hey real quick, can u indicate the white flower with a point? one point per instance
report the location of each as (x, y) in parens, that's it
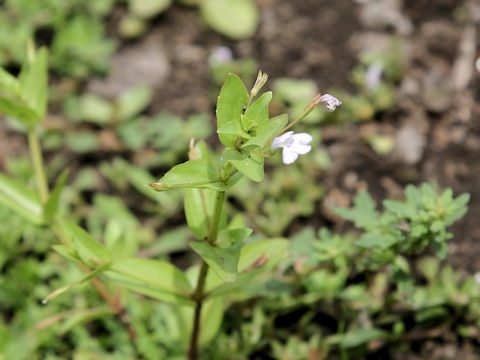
(220, 55)
(293, 145)
(373, 75)
(332, 102)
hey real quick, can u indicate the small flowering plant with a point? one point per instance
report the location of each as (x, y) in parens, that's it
(249, 136)
(200, 294)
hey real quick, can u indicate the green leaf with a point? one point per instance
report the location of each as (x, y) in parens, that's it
(254, 260)
(440, 248)
(199, 208)
(34, 82)
(363, 213)
(83, 279)
(211, 320)
(223, 261)
(66, 252)
(233, 128)
(199, 174)
(375, 239)
(358, 337)
(457, 208)
(158, 279)
(95, 109)
(257, 114)
(233, 96)
(266, 131)
(87, 248)
(51, 206)
(272, 249)
(19, 111)
(249, 165)
(134, 101)
(237, 19)
(21, 199)
(147, 9)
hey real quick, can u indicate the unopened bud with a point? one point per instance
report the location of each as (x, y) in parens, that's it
(192, 153)
(261, 80)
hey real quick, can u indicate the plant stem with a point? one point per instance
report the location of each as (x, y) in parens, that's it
(198, 295)
(37, 160)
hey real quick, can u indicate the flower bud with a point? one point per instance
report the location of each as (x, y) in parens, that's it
(261, 80)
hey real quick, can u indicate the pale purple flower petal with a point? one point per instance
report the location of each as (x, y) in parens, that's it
(282, 140)
(331, 102)
(289, 156)
(293, 145)
(301, 149)
(302, 138)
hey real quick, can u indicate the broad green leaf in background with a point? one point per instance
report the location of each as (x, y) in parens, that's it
(233, 96)
(21, 199)
(148, 8)
(191, 174)
(256, 114)
(51, 206)
(237, 19)
(95, 109)
(133, 101)
(158, 279)
(87, 248)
